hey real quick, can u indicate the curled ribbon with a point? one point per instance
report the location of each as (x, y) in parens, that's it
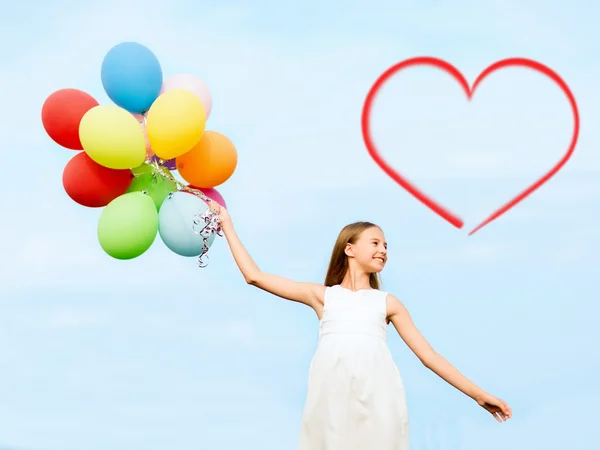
(203, 223)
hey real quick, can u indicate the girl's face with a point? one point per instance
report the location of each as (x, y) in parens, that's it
(370, 250)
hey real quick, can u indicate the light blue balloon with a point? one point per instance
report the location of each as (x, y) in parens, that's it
(132, 76)
(175, 224)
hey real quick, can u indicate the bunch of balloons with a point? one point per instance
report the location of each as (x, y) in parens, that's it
(128, 151)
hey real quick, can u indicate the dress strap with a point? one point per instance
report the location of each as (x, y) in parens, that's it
(326, 297)
(383, 303)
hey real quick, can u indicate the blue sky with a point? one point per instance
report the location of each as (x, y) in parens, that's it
(156, 353)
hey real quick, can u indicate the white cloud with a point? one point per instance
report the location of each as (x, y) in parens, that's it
(477, 253)
(582, 188)
(68, 318)
(229, 330)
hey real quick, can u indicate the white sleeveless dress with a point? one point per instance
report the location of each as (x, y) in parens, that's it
(356, 398)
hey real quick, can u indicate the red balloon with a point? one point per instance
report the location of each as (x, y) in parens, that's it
(61, 114)
(90, 184)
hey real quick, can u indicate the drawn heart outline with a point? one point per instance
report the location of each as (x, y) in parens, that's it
(458, 76)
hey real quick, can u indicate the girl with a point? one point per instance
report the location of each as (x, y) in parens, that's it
(356, 398)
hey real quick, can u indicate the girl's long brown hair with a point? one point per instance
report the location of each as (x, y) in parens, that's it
(338, 265)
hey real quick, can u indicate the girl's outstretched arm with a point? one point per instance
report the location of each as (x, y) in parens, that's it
(400, 318)
(310, 294)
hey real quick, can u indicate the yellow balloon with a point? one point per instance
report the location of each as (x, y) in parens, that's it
(112, 137)
(175, 123)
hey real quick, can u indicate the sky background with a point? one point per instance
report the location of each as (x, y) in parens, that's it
(155, 353)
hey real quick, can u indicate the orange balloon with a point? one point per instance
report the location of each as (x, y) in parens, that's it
(210, 163)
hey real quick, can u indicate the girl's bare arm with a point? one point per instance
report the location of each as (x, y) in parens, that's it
(310, 294)
(407, 330)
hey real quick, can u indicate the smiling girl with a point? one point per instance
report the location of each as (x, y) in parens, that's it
(356, 398)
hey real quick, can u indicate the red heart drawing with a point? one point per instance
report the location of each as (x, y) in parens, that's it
(455, 73)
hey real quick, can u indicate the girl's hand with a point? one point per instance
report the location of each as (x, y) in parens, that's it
(495, 406)
(224, 218)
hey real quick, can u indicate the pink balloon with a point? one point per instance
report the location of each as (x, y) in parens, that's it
(138, 117)
(193, 84)
(211, 193)
(142, 122)
(148, 145)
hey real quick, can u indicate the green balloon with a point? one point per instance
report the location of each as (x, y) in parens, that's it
(128, 225)
(157, 186)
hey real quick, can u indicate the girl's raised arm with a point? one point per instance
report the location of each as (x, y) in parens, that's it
(310, 294)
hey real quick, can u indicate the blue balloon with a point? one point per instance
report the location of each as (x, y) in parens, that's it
(132, 76)
(175, 224)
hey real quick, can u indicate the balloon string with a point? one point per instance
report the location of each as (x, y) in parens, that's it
(157, 166)
(209, 218)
